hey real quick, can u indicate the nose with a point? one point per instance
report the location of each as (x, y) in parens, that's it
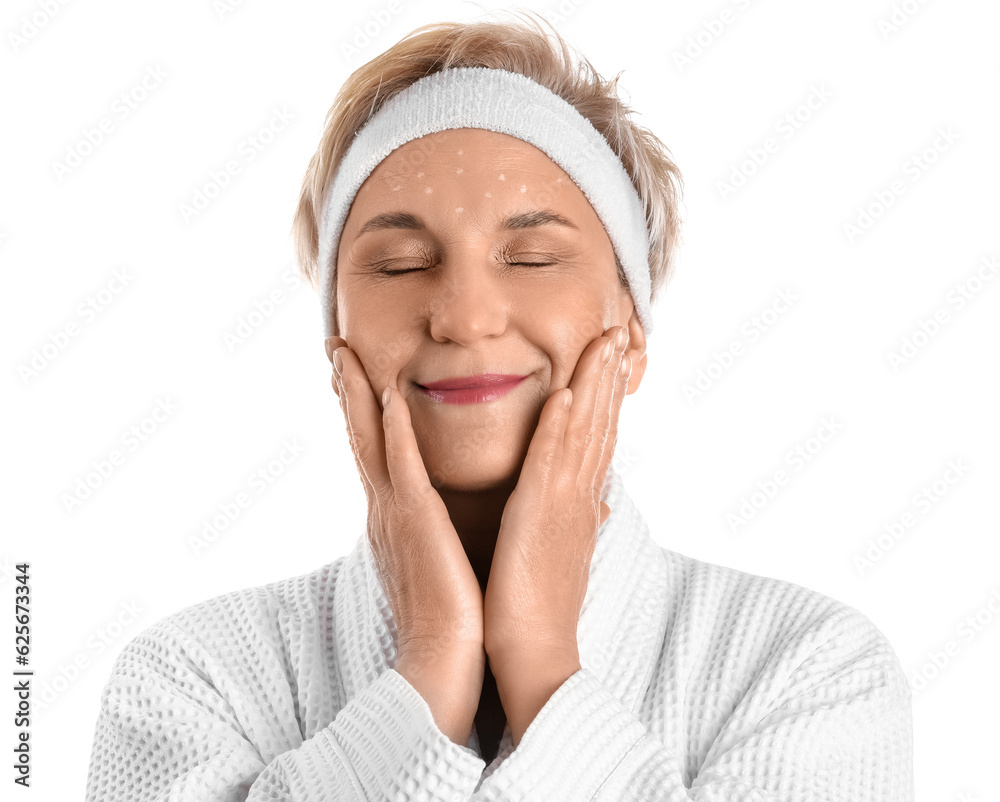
(471, 304)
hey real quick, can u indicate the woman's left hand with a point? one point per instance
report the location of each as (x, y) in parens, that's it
(541, 563)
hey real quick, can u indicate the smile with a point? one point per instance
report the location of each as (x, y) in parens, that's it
(471, 389)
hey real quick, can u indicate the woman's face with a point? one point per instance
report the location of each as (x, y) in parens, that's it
(484, 293)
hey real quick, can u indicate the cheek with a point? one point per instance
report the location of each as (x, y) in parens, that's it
(575, 311)
(376, 332)
(566, 339)
(385, 355)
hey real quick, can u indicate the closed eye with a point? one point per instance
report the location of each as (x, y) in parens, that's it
(387, 272)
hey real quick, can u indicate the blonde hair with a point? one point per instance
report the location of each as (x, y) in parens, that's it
(522, 48)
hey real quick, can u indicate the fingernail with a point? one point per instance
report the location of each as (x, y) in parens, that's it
(386, 397)
(626, 368)
(608, 350)
(338, 363)
(620, 337)
(328, 345)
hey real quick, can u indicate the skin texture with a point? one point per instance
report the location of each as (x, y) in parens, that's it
(483, 517)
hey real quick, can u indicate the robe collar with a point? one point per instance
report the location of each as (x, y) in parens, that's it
(620, 631)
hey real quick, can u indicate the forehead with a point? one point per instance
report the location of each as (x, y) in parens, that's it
(470, 149)
(471, 170)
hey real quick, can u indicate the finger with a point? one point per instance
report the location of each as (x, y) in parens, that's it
(604, 408)
(364, 421)
(332, 344)
(611, 425)
(338, 389)
(544, 457)
(366, 484)
(594, 372)
(407, 472)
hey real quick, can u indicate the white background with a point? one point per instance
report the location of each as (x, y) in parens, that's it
(105, 568)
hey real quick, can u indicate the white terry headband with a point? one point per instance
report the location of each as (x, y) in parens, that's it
(507, 103)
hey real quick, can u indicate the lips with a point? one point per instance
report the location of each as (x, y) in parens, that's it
(467, 382)
(471, 389)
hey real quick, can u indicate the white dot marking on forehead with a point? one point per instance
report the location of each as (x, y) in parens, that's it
(489, 194)
(420, 175)
(459, 170)
(460, 152)
(523, 188)
(460, 209)
(395, 189)
(502, 178)
(428, 190)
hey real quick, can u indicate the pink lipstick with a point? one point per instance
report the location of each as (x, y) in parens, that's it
(471, 389)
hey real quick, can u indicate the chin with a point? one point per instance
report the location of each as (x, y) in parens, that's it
(465, 470)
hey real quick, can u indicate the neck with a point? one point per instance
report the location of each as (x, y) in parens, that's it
(476, 517)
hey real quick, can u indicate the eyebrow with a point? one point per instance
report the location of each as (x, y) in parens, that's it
(406, 220)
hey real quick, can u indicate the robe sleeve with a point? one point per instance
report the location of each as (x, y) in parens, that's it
(166, 733)
(832, 722)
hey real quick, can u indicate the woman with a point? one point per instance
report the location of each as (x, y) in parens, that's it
(488, 231)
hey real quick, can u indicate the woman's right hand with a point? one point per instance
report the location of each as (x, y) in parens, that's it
(428, 580)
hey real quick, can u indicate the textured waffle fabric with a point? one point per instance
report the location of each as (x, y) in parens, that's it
(698, 682)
